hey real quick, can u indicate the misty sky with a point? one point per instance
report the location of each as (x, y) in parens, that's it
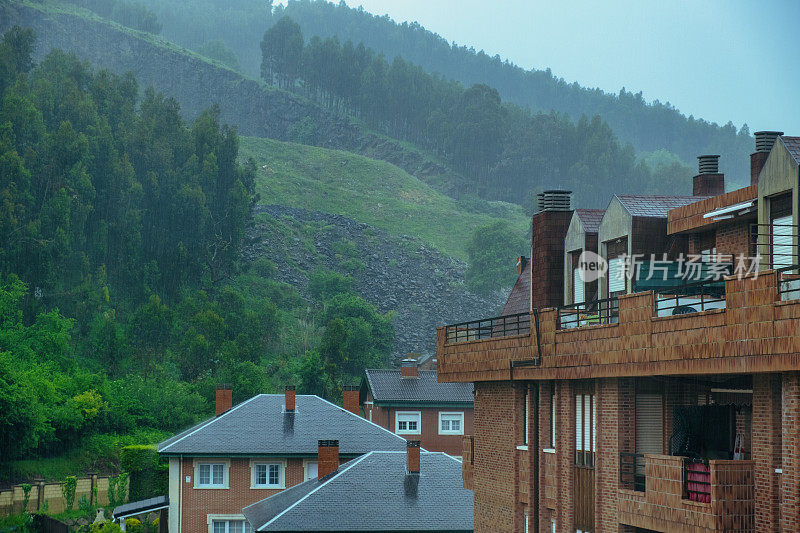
(715, 59)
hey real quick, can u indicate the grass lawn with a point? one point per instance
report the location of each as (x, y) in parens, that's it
(375, 192)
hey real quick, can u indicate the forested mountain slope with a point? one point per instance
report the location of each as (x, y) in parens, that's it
(197, 83)
(649, 126)
(527, 153)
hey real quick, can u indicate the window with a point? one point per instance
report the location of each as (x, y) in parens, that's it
(782, 251)
(553, 415)
(408, 422)
(577, 279)
(525, 428)
(312, 470)
(211, 475)
(231, 526)
(267, 475)
(451, 423)
(585, 424)
(617, 278)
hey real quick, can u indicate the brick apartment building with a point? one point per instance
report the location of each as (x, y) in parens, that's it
(412, 403)
(645, 402)
(256, 449)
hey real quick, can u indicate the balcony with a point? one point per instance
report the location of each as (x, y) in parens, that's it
(744, 325)
(680, 493)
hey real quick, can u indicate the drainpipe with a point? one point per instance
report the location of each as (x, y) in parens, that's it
(533, 449)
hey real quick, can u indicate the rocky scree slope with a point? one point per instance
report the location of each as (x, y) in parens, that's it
(423, 287)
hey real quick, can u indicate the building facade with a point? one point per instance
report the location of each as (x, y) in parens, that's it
(256, 449)
(664, 405)
(412, 404)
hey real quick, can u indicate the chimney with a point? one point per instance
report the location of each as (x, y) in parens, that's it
(709, 181)
(350, 400)
(522, 262)
(548, 231)
(224, 399)
(327, 457)
(289, 398)
(408, 368)
(554, 200)
(412, 456)
(765, 140)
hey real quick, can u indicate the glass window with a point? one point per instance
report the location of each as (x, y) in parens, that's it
(553, 416)
(210, 475)
(267, 475)
(408, 423)
(451, 423)
(312, 469)
(232, 526)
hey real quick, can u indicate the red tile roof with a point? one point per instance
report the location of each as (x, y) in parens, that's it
(519, 300)
(590, 218)
(793, 145)
(655, 206)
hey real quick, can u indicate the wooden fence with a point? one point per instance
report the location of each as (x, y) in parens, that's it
(11, 500)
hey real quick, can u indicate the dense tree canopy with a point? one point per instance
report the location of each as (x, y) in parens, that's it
(123, 296)
(506, 152)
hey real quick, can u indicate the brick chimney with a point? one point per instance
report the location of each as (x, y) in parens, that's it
(709, 181)
(327, 457)
(412, 456)
(548, 230)
(350, 398)
(408, 368)
(289, 398)
(522, 261)
(765, 140)
(224, 399)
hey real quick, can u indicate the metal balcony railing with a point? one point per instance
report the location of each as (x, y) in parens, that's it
(596, 312)
(690, 298)
(489, 328)
(632, 471)
(697, 480)
(789, 282)
(776, 244)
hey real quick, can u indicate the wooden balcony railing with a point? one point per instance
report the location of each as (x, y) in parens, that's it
(680, 493)
(752, 330)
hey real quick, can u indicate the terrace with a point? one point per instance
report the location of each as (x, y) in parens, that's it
(737, 325)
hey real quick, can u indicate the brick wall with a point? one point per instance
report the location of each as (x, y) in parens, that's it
(495, 449)
(790, 464)
(429, 437)
(198, 503)
(548, 230)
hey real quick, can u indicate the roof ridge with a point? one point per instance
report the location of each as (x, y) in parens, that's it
(211, 421)
(295, 504)
(363, 419)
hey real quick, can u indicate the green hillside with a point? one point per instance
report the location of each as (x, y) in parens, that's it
(370, 191)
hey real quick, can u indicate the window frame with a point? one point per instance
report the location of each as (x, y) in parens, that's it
(255, 463)
(452, 414)
(211, 463)
(407, 415)
(553, 411)
(228, 518)
(306, 464)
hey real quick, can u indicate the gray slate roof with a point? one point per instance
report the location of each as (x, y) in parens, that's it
(590, 218)
(387, 386)
(260, 426)
(373, 493)
(141, 507)
(793, 145)
(655, 206)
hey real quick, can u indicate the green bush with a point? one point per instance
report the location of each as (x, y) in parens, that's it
(68, 487)
(138, 457)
